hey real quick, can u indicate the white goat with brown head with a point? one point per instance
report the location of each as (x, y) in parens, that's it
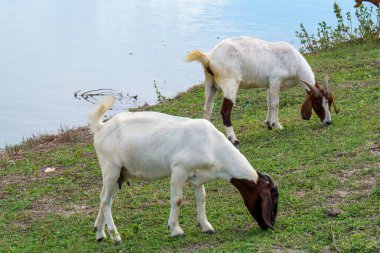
(151, 145)
(244, 62)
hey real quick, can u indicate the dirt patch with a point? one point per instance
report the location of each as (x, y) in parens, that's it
(15, 179)
(21, 181)
(375, 148)
(365, 180)
(355, 84)
(192, 247)
(341, 154)
(51, 204)
(45, 143)
(281, 250)
(299, 194)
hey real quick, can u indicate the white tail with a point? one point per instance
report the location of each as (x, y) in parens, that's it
(94, 117)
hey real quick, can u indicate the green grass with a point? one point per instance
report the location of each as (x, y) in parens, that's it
(328, 178)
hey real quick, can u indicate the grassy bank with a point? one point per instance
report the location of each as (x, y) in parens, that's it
(328, 178)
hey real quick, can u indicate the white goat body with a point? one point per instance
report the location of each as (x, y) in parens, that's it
(253, 63)
(245, 62)
(151, 145)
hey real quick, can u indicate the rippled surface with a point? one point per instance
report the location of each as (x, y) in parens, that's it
(51, 49)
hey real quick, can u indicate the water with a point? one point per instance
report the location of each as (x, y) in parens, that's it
(49, 49)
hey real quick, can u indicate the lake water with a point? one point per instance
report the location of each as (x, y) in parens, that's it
(50, 49)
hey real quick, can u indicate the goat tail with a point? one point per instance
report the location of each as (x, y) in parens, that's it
(197, 55)
(94, 117)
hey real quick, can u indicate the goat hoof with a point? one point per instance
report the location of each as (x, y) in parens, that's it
(117, 239)
(100, 239)
(234, 142)
(178, 236)
(210, 232)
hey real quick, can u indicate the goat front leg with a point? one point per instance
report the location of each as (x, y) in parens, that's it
(273, 104)
(178, 180)
(200, 195)
(268, 111)
(210, 92)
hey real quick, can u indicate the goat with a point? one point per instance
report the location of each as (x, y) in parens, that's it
(245, 62)
(152, 145)
(374, 2)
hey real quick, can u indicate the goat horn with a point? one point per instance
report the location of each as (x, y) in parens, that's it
(271, 183)
(267, 177)
(312, 88)
(326, 82)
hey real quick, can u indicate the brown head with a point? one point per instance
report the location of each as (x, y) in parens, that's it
(320, 100)
(359, 2)
(260, 198)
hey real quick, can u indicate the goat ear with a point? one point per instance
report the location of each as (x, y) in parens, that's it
(306, 107)
(267, 210)
(336, 109)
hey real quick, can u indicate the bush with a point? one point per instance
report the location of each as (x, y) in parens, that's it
(343, 32)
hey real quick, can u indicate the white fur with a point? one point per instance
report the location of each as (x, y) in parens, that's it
(244, 62)
(325, 106)
(152, 145)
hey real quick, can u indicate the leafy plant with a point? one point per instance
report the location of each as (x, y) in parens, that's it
(159, 95)
(328, 36)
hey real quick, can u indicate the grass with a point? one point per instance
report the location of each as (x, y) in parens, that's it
(328, 178)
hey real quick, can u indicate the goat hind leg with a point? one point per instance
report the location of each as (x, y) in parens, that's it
(210, 92)
(100, 219)
(110, 189)
(100, 222)
(226, 114)
(267, 121)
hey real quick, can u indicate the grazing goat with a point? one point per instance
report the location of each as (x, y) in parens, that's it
(359, 2)
(245, 62)
(151, 145)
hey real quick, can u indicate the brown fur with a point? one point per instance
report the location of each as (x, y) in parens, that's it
(208, 69)
(359, 2)
(226, 112)
(260, 198)
(306, 108)
(314, 102)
